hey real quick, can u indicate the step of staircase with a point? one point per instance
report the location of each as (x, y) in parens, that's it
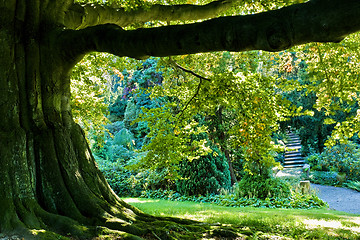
(294, 161)
(296, 146)
(293, 158)
(294, 166)
(296, 152)
(293, 147)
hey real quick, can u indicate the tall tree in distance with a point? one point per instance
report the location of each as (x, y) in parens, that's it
(49, 179)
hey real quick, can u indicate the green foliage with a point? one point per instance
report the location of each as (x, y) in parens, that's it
(206, 175)
(88, 87)
(353, 185)
(238, 101)
(122, 181)
(128, 183)
(295, 201)
(328, 89)
(343, 158)
(172, 140)
(94, 86)
(324, 178)
(123, 137)
(313, 160)
(261, 187)
(128, 5)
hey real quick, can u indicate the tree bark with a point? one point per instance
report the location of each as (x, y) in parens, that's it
(222, 138)
(313, 21)
(48, 176)
(79, 16)
(49, 179)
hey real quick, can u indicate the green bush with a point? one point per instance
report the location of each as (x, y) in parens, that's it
(324, 178)
(353, 185)
(295, 201)
(343, 158)
(206, 175)
(158, 179)
(313, 161)
(256, 186)
(122, 181)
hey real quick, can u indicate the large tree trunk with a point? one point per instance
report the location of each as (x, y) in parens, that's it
(48, 176)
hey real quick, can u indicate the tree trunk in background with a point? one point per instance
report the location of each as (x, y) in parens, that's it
(231, 168)
(223, 138)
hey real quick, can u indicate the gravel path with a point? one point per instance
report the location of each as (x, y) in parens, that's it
(340, 199)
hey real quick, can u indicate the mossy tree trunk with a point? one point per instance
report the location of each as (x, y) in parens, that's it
(48, 176)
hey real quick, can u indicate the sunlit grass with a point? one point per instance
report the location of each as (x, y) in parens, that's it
(309, 224)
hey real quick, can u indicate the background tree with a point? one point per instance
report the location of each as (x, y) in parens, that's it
(49, 179)
(322, 81)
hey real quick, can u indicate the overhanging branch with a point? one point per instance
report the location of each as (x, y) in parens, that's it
(80, 16)
(314, 21)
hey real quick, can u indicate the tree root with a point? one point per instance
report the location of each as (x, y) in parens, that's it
(54, 226)
(57, 192)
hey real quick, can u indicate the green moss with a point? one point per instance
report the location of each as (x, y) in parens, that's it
(109, 234)
(47, 235)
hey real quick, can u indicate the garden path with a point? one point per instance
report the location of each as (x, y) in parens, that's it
(338, 198)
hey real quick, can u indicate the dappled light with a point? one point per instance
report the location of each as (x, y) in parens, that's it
(140, 200)
(273, 220)
(351, 224)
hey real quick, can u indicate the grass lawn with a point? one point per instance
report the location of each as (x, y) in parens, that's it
(261, 223)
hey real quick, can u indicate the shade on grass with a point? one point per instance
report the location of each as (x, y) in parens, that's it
(306, 224)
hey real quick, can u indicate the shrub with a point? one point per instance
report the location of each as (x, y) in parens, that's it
(206, 175)
(124, 138)
(342, 158)
(353, 185)
(122, 181)
(295, 201)
(324, 178)
(117, 109)
(313, 161)
(257, 186)
(127, 183)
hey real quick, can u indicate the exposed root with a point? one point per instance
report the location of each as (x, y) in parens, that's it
(59, 193)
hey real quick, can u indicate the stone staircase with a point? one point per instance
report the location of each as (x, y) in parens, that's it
(293, 158)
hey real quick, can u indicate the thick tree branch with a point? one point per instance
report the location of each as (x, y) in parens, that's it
(314, 21)
(80, 16)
